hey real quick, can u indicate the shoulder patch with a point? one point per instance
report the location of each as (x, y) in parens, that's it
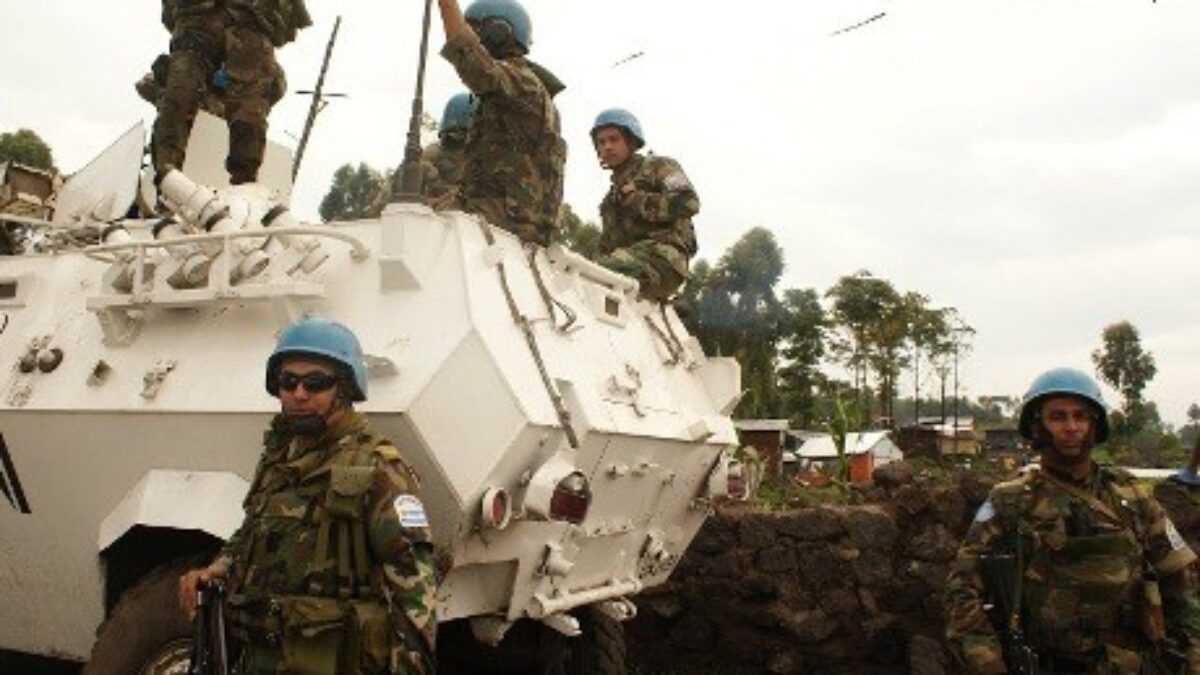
(676, 181)
(1173, 536)
(986, 512)
(410, 511)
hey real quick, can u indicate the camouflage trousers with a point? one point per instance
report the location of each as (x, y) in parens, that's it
(655, 265)
(199, 45)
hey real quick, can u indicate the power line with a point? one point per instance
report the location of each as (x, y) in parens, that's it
(858, 25)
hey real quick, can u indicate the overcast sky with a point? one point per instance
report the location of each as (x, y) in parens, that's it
(1034, 163)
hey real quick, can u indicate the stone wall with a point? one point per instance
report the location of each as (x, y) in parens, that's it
(854, 589)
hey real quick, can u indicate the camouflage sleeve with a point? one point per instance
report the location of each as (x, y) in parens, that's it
(478, 70)
(969, 631)
(1165, 547)
(670, 197)
(234, 544)
(401, 542)
(1181, 608)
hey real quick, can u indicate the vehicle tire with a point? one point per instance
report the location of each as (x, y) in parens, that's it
(600, 650)
(146, 633)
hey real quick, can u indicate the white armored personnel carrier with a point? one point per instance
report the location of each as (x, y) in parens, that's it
(570, 438)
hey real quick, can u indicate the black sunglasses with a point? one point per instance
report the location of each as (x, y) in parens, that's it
(314, 383)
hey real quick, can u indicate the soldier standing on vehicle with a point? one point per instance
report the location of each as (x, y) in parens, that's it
(647, 213)
(154, 83)
(242, 35)
(334, 556)
(1094, 578)
(515, 153)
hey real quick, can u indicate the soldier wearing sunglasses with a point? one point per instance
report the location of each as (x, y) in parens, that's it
(332, 571)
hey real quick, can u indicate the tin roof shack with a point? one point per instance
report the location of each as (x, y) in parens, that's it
(768, 437)
(26, 191)
(1003, 440)
(864, 451)
(953, 440)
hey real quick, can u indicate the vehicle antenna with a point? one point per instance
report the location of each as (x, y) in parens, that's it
(411, 178)
(318, 101)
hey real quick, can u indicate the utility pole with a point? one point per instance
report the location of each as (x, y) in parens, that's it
(318, 101)
(956, 391)
(410, 170)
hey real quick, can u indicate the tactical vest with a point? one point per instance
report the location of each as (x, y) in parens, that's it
(279, 20)
(303, 586)
(1080, 588)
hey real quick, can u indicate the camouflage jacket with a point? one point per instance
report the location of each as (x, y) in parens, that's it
(336, 535)
(659, 207)
(442, 168)
(277, 19)
(1086, 551)
(515, 155)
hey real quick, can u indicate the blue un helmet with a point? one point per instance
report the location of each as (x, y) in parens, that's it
(458, 113)
(1063, 382)
(622, 119)
(510, 11)
(324, 339)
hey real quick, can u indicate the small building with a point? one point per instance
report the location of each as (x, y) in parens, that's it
(26, 191)
(768, 437)
(864, 451)
(1003, 440)
(954, 436)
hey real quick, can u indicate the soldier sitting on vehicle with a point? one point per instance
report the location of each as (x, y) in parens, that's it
(334, 556)
(647, 213)
(1073, 568)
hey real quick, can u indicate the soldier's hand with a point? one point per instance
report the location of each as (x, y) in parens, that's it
(627, 188)
(189, 584)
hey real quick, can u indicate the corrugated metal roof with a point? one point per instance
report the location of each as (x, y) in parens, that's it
(761, 425)
(856, 444)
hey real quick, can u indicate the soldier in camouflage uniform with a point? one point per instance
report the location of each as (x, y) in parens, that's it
(242, 35)
(441, 162)
(1100, 564)
(515, 152)
(1180, 496)
(332, 571)
(154, 83)
(647, 213)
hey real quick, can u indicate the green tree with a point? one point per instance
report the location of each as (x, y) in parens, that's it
(352, 193)
(1123, 363)
(26, 147)
(579, 236)
(738, 314)
(1189, 434)
(803, 331)
(927, 330)
(868, 309)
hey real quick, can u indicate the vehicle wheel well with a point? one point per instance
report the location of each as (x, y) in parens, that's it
(143, 549)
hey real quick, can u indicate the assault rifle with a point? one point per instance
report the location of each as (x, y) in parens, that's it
(1002, 574)
(209, 655)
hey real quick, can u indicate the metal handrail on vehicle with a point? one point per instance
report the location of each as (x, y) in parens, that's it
(359, 250)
